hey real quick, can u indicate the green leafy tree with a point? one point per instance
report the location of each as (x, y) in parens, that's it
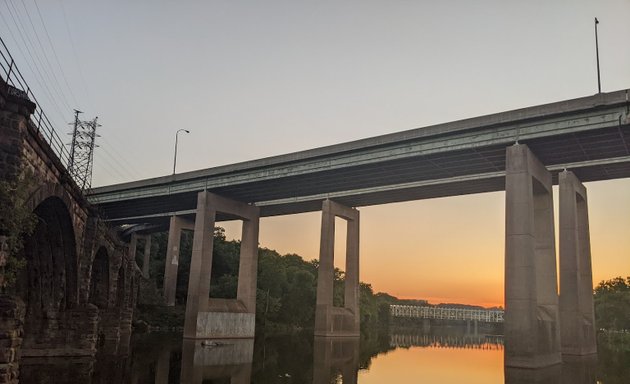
(612, 304)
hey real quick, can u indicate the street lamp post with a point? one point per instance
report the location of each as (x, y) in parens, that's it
(599, 82)
(175, 157)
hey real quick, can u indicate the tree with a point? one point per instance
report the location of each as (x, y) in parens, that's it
(612, 304)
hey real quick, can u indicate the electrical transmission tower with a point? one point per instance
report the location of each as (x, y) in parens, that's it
(82, 151)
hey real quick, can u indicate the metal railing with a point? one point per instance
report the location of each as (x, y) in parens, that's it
(441, 313)
(13, 77)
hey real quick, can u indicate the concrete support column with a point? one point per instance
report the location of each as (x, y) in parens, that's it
(176, 226)
(200, 264)
(330, 320)
(532, 331)
(577, 316)
(248, 265)
(147, 256)
(220, 318)
(133, 245)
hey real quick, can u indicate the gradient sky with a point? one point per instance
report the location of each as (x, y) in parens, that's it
(252, 79)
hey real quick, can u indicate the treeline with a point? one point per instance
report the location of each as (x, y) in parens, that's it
(287, 284)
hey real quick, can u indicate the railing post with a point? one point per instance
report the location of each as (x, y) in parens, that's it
(39, 123)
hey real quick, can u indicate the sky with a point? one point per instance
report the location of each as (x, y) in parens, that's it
(251, 79)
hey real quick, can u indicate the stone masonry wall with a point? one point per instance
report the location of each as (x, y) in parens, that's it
(72, 330)
(11, 325)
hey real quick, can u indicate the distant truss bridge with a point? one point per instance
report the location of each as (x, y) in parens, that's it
(441, 313)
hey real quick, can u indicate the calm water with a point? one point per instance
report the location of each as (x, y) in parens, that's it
(443, 355)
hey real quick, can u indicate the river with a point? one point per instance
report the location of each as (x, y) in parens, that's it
(442, 355)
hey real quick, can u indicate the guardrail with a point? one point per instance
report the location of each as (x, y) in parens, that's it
(13, 77)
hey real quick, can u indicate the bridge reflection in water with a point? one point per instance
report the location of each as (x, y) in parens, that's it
(445, 355)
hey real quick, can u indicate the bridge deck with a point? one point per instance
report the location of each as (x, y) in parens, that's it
(590, 136)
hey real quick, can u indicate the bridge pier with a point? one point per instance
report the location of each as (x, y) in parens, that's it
(133, 245)
(220, 318)
(331, 320)
(577, 317)
(532, 332)
(177, 225)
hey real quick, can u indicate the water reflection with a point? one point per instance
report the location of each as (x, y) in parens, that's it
(335, 358)
(217, 361)
(574, 370)
(444, 354)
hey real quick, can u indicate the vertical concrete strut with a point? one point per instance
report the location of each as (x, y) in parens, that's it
(218, 318)
(532, 332)
(147, 256)
(133, 245)
(576, 282)
(177, 224)
(330, 320)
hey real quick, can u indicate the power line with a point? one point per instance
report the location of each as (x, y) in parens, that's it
(128, 155)
(43, 51)
(74, 52)
(38, 77)
(52, 46)
(46, 70)
(112, 168)
(132, 173)
(52, 70)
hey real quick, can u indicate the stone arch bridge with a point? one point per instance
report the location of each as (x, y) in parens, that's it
(77, 289)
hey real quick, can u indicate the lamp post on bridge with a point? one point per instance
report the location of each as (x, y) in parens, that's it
(175, 157)
(599, 82)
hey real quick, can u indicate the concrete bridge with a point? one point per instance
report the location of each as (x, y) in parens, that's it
(76, 291)
(523, 152)
(440, 313)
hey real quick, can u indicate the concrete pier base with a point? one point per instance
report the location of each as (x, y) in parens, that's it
(212, 318)
(532, 330)
(331, 320)
(577, 316)
(177, 225)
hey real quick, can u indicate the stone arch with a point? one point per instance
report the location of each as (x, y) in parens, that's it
(48, 284)
(49, 190)
(99, 279)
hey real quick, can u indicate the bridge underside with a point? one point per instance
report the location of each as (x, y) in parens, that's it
(594, 155)
(521, 152)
